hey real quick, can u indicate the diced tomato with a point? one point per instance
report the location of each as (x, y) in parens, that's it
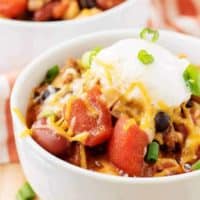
(92, 116)
(94, 93)
(127, 147)
(83, 120)
(12, 8)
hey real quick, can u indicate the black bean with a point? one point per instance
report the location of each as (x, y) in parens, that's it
(162, 121)
(87, 3)
(45, 95)
(189, 104)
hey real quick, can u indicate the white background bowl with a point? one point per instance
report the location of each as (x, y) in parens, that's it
(21, 41)
(54, 179)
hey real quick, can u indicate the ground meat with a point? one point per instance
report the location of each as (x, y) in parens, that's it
(74, 155)
(68, 73)
(173, 140)
(182, 129)
(32, 114)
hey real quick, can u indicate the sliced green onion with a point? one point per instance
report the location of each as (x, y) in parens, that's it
(152, 152)
(52, 73)
(149, 31)
(145, 57)
(88, 57)
(196, 165)
(25, 193)
(191, 76)
(85, 60)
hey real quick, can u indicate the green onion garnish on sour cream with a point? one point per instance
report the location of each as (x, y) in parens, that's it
(145, 57)
(191, 76)
(88, 57)
(148, 31)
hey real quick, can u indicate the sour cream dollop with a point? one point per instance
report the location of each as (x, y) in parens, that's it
(118, 67)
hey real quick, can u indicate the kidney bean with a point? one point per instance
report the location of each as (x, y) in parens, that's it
(49, 139)
(46, 12)
(107, 4)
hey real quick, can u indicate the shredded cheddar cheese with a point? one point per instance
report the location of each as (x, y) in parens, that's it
(129, 124)
(57, 128)
(141, 87)
(146, 121)
(83, 157)
(107, 69)
(81, 137)
(68, 107)
(25, 133)
(107, 168)
(19, 115)
(163, 106)
(60, 94)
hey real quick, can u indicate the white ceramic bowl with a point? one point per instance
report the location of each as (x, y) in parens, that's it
(54, 179)
(21, 41)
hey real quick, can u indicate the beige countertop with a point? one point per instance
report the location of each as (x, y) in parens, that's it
(11, 179)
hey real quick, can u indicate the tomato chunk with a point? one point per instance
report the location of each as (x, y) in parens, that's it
(127, 147)
(47, 137)
(12, 8)
(93, 116)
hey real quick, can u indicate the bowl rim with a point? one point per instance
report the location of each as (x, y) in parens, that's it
(21, 23)
(85, 172)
